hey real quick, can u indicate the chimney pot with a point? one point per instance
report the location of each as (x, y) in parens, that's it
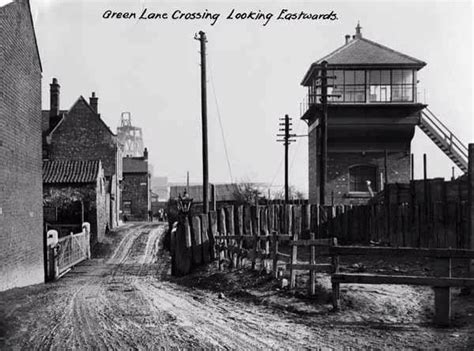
(93, 101)
(348, 37)
(145, 154)
(54, 89)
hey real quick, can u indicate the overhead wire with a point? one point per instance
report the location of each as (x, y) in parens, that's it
(220, 123)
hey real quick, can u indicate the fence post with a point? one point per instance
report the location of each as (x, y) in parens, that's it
(256, 232)
(239, 230)
(294, 257)
(312, 272)
(205, 238)
(196, 240)
(470, 186)
(335, 286)
(275, 253)
(229, 223)
(173, 247)
(212, 234)
(222, 230)
(442, 295)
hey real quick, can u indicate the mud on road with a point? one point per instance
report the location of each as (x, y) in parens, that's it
(126, 299)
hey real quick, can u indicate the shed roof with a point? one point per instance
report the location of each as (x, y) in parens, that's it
(70, 171)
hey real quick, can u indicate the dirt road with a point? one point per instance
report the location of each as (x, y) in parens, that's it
(122, 303)
(127, 300)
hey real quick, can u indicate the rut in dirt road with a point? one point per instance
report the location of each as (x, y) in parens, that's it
(123, 302)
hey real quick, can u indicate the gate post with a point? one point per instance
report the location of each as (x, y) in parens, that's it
(86, 229)
(51, 255)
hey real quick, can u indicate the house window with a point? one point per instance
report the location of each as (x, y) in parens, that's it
(359, 176)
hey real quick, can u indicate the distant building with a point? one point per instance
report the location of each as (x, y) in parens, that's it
(223, 192)
(80, 134)
(136, 188)
(74, 193)
(161, 187)
(21, 209)
(372, 112)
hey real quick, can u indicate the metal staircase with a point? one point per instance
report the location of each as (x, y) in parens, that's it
(444, 138)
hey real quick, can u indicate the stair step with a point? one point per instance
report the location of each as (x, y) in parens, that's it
(429, 126)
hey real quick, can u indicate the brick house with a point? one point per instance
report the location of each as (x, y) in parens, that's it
(21, 214)
(372, 114)
(74, 193)
(80, 134)
(136, 187)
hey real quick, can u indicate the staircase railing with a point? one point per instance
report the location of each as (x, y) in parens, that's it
(454, 145)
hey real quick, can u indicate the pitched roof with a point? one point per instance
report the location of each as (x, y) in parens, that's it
(361, 51)
(364, 52)
(70, 171)
(66, 113)
(134, 165)
(52, 121)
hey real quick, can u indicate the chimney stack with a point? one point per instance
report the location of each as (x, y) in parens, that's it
(348, 38)
(54, 98)
(93, 101)
(358, 34)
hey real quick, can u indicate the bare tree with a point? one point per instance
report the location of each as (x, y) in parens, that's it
(247, 193)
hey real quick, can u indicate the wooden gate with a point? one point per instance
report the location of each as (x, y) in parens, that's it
(72, 249)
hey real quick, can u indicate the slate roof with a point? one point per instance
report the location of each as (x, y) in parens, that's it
(70, 171)
(362, 52)
(134, 165)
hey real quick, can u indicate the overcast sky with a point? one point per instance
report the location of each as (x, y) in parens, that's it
(151, 68)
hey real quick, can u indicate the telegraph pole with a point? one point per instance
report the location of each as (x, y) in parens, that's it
(287, 139)
(324, 133)
(205, 166)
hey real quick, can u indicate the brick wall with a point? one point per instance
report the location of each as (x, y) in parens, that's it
(21, 216)
(83, 136)
(338, 163)
(135, 188)
(398, 164)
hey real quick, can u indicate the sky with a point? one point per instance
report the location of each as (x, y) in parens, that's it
(151, 69)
